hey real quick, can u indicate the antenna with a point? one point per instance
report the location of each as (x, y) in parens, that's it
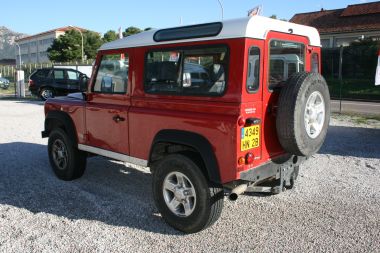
(221, 7)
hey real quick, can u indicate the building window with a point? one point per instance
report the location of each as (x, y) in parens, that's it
(344, 42)
(325, 43)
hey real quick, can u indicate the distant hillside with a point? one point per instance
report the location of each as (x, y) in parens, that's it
(7, 39)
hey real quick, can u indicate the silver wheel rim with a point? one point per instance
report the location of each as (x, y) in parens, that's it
(314, 115)
(179, 194)
(59, 153)
(47, 94)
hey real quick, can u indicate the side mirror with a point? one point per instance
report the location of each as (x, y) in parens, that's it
(186, 80)
(83, 82)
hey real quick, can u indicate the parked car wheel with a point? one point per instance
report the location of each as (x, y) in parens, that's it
(46, 93)
(303, 114)
(184, 197)
(67, 161)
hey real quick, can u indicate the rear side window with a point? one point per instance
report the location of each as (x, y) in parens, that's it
(253, 76)
(112, 76)
(43, 73)
(59, 74)
(286, 58)
(198, 71)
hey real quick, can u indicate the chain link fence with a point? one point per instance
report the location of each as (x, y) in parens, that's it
(9, 72)
(350, 72)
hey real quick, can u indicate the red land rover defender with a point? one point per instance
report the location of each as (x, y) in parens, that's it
(212, 109)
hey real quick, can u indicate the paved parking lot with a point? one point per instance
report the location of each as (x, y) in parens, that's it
(335, 206)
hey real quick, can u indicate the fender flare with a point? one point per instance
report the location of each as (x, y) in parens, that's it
(64, 119)
(195, 141)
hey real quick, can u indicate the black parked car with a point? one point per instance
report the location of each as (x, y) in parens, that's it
(50, 82)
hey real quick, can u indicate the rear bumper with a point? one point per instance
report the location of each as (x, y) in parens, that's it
(271, 169)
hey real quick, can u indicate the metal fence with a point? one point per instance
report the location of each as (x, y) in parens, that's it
(9, 72)
(350, 72)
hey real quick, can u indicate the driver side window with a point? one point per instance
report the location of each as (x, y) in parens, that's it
(112, 76)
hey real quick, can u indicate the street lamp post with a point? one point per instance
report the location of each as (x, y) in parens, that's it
(81, 34)
(221, 7)
(19, 54)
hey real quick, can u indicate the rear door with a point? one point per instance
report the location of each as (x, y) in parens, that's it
(108, 104)
(60, 81)
(72, 80)
(285, 54)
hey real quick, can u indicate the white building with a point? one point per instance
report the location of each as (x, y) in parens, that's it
(34, 48)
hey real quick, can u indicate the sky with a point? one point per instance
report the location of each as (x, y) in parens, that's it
(35, 16)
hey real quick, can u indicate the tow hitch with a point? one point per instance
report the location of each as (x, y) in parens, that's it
(285, 179)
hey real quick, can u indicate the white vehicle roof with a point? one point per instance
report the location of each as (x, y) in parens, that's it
(256, 27)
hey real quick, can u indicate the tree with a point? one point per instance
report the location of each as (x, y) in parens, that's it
(275, 17)
(68, 47)
(92, 42)
(131, 30)
(109, 36)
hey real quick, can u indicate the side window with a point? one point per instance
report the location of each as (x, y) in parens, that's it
(112, 76)
(315, 63)
(162, 72)
(198, 72)
(286, 58)
(72, 75)
(42, 73)
(59, 74)
(253, 78)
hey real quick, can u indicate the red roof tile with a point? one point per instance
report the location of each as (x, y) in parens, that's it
(361, 9)
(340, 20)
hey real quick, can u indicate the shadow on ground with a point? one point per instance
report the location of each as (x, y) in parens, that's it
(352, 141)
(116, 195)
(108, 192)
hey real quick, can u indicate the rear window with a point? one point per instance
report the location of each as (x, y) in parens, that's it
(197, 71)
(286, 58)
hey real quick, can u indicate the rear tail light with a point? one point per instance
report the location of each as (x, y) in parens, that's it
(31, 83)
(249, 158)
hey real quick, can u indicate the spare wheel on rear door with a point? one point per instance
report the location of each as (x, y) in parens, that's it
(303, 114)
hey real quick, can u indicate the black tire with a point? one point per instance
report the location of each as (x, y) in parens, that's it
(209, 197)
(44, 91)
(290, 122)
(76, 160)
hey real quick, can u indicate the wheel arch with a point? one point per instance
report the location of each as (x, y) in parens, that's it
(62, 120)
(195, 142)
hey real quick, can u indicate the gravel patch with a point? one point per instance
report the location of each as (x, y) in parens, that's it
(335, 206)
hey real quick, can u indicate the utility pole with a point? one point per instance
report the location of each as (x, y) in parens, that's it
(19, 54)
(221, 7)
(81, 34)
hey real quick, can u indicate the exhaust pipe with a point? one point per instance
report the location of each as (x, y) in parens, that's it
(237, 191)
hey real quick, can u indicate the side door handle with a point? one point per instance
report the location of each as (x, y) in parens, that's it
(117, 118)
